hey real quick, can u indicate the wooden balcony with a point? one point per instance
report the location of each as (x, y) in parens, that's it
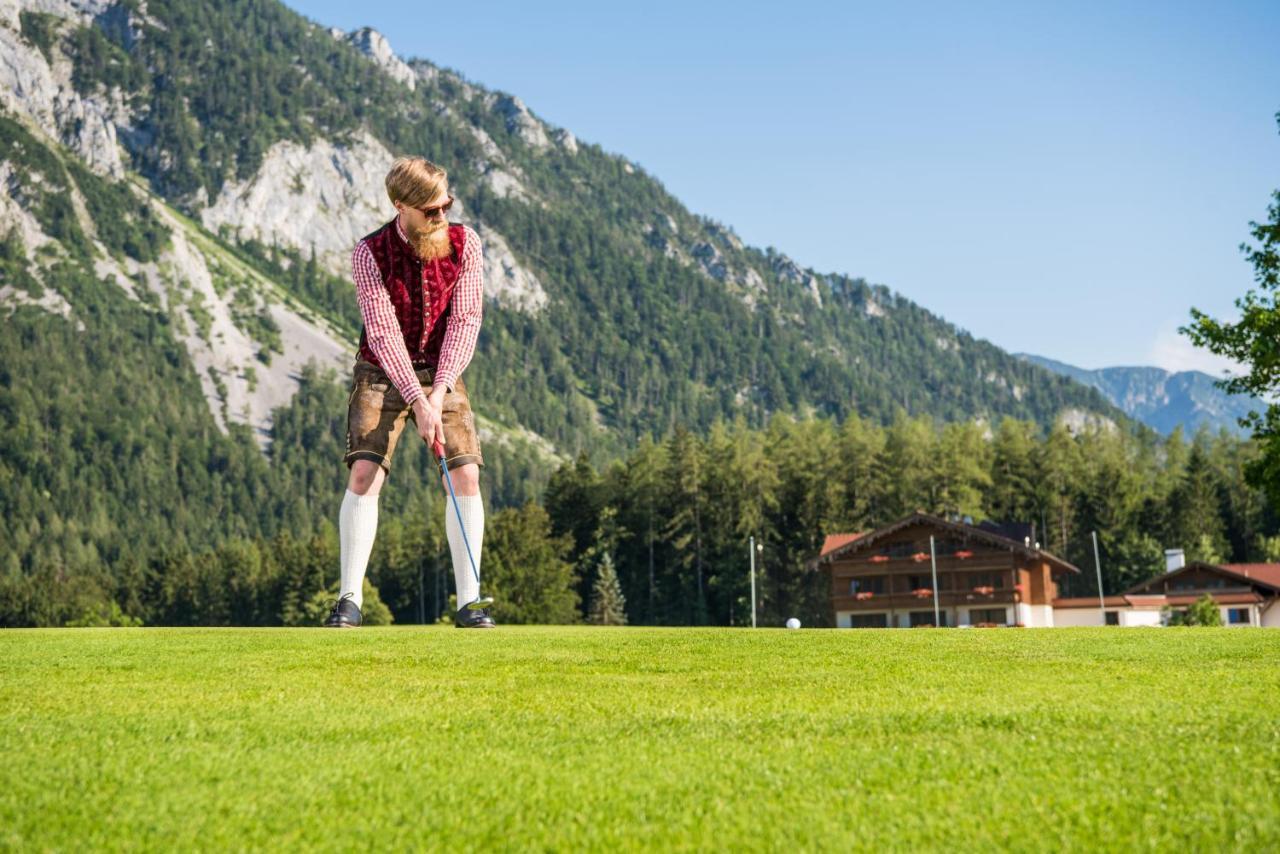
(907, 601)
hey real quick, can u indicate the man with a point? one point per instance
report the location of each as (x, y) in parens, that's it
(418, 282)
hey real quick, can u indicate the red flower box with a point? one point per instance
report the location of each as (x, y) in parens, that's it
(919, 557)
(863, 596)
(879, 558)
(922, 593)
(964, 554)
(985, 591)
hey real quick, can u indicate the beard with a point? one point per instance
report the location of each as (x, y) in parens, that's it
(432, 242)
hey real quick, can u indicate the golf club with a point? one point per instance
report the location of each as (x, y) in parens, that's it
(482, 601)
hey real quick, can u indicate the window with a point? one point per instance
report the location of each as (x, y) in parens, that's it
(868, 621)
(867, 584)
(1238, 616)
(1113, 618)
(946, 547)
(978, 616)
(994, 580)
(926, 618)
(906, 549)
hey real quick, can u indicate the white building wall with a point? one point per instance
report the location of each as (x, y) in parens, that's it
(1073, 617)
(1140, 617)
(1046, 616)
(1035, 616)
(1270, 618)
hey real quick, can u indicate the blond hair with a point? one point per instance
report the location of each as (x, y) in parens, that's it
(415, 181)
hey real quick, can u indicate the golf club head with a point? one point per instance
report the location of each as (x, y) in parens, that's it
(482, 602)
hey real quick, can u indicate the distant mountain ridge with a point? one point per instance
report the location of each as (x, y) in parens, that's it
(1161, 399)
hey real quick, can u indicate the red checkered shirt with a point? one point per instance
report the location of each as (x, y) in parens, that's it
(383, 332)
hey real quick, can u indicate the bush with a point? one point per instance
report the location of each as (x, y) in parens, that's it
(1203, 612)
(104, 614)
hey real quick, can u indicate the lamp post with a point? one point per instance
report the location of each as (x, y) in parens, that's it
(1097, 565)
(754, 548)
(933, 562)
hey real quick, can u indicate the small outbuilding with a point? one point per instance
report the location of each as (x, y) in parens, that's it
(1245, 593)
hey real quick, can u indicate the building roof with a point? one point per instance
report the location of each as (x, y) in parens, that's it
(835, 541)
(1264, 575)
(1155, 601)
(1090, 602)
(1267, 573)
(974, 532)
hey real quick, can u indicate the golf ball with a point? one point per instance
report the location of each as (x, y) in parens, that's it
(793, 623)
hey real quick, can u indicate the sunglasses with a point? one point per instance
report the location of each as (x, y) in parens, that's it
(432, 213)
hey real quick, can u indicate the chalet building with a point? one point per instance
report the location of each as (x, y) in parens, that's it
(1246, 593)
(995, 575)
(987, 575)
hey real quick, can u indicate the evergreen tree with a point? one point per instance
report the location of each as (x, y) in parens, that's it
(527, 570)
(608, 606)
(960, 471)
(1011, 496)
(573, 500)
(686, 508)
(1196, 521)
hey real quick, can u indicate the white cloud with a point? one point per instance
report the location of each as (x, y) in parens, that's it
(1174, 351)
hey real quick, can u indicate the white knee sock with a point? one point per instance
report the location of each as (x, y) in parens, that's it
(473, 523)
(357, 524)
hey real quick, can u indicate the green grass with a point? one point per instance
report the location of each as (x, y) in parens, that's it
(574, 738)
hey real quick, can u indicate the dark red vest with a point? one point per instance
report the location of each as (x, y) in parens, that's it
(420, 291)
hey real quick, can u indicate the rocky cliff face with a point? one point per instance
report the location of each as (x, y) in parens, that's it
(37, 83)
(217, 303)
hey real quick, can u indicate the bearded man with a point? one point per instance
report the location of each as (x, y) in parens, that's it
(418, 283)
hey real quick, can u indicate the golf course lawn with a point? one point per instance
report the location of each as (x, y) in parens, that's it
(568, 738)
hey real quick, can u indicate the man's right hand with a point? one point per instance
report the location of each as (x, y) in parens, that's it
(429, 421)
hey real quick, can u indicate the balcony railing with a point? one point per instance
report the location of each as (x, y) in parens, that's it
(911, 598)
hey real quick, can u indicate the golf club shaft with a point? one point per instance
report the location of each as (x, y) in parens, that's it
(458, 510)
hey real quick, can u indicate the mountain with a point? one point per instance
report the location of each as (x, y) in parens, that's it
(1162, 399)
(182, 185)
(628, 312)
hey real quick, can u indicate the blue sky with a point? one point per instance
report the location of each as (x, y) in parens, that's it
(1065, 181)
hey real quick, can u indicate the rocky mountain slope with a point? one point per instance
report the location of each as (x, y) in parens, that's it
(1162, 399)
(259, 139)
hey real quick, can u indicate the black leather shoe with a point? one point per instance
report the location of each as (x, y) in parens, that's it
(344, 614)
(466, 618)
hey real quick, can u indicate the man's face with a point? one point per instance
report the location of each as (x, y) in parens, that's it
(427, 218)
(427, 226)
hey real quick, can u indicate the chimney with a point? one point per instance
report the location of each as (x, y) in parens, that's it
(1174, 559)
